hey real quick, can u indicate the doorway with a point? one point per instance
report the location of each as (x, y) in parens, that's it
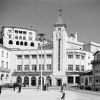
(59, 82)
(33, 81)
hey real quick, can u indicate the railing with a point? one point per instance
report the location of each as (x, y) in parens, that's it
(30, 73)
(95, 61)
(4, 70)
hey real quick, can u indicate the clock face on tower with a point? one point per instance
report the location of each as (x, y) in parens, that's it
(58, 35)
(98, 57)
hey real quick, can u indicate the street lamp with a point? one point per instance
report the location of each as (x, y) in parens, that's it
(41, 39)
(80, 68)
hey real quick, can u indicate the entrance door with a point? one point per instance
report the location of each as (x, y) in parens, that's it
(33, 81)
(86, 81)
(59, 82)
(77, 79)
(70, 79)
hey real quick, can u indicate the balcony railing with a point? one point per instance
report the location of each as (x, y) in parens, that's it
(4, 70)
(31, 73)
(95, 61)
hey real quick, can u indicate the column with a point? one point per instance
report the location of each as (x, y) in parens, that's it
(22, 79)
(74, 79)
(37, 80)
(29, 80)
(44, 79)
(74, 57)
(30, 69)
(16, 63)
(45, 62)
(22, 62)
(37, 63)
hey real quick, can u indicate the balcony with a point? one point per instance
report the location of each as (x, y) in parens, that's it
(95, 61)
(4, 70)
(30, 73)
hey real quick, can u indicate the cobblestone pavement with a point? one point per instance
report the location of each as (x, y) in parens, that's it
(34, 94)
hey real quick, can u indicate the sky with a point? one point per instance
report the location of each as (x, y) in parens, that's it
(81, 16)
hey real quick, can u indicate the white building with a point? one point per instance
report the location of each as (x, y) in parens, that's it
(63, 59)
(17, 37)
(5, 73)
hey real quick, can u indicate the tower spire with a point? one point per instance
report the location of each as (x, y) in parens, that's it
(60, 21)
(60, 10)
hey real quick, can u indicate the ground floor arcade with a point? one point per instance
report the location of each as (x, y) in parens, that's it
(52, 80)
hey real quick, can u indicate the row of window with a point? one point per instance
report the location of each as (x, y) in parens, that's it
(70, 68)
(77, 57)
(33, 67)
(24, 37)
(21, 43)
(33, 56)
(2, 64)
(20, 37)
(20, 32)
(2, 54)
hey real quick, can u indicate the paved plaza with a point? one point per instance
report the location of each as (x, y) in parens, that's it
(52, 94)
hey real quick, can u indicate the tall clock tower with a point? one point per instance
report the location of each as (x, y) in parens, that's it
(59, 51)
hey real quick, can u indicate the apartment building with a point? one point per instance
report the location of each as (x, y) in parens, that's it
(5, 74)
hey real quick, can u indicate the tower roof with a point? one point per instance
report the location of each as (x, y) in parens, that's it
(60, 22)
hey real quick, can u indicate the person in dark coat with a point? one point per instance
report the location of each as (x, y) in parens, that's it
(19, 88)
(0, 88)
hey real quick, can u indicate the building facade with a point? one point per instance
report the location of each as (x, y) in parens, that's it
(62, 60)
(87, 80)
(96, 71)
(5, 70)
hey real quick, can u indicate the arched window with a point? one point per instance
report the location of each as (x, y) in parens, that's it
(19, 79)
(32, 44)
(10, 42)
(21, 43)
(39, 81)
(17, 42)
(26, 80)
(33, 81)
(2, 75)
(25, 43)
(49, 80)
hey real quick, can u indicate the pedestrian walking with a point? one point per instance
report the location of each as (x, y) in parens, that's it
(19, 88)
(63, 95)
(61, 88)
(14, 87)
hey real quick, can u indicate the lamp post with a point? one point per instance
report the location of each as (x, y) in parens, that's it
(41, 39)
(80, 69)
